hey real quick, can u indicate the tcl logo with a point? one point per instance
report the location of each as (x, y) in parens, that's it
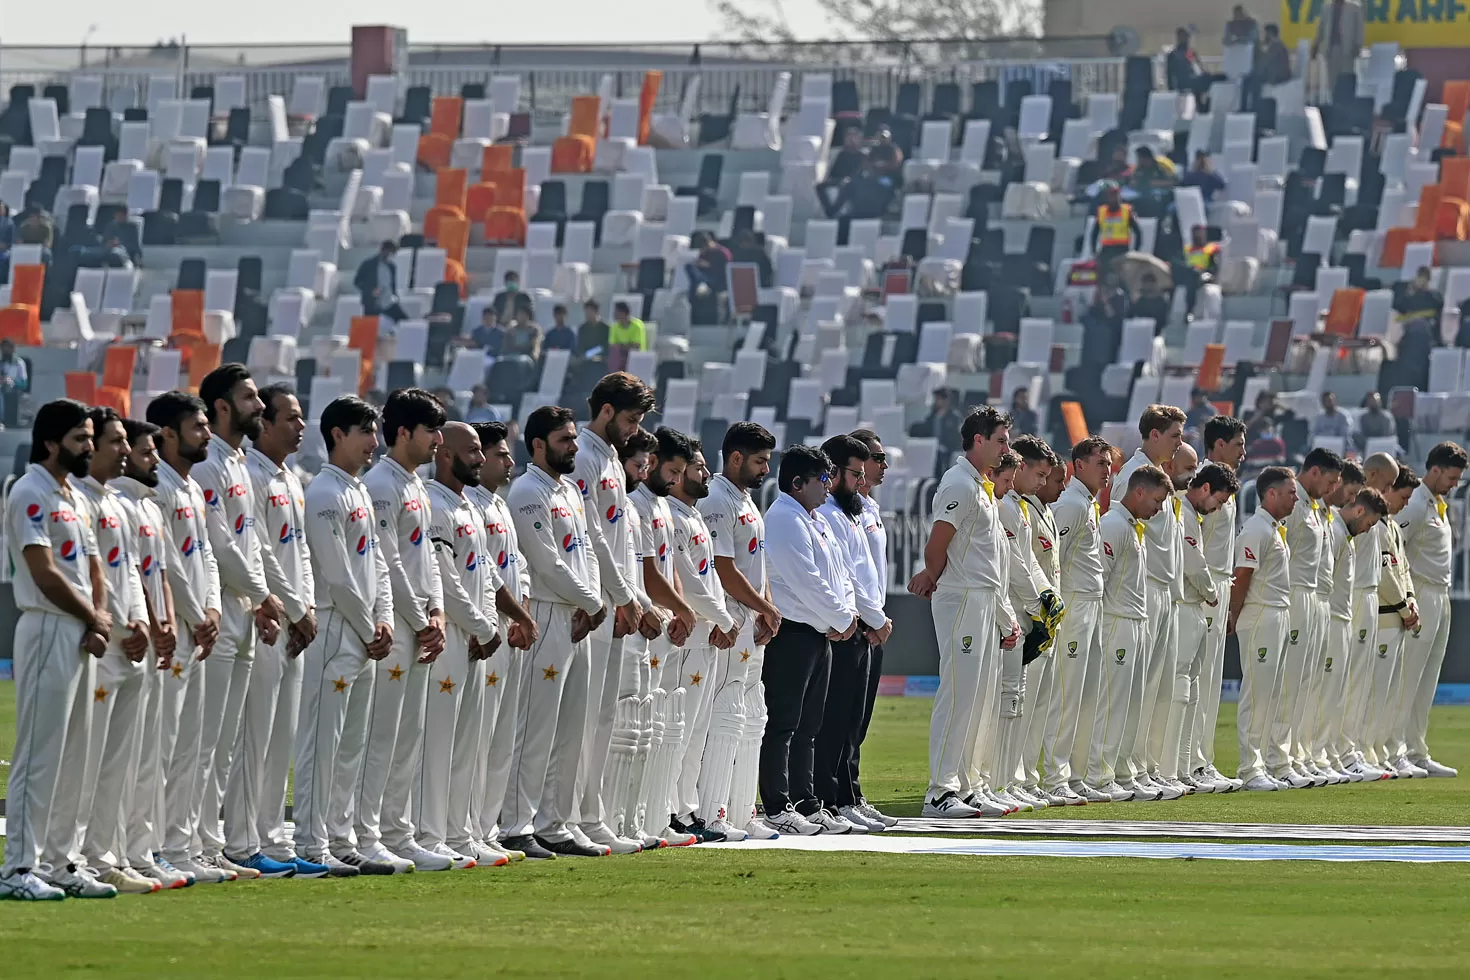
(107, 523)
(357, 514)
(658, 522)
(747, 518)
(697, 539)
(607, 483)
(464, 531)
(145, 530)
(183, 513)
(413, 503)
(235, 490)
(494, 527)
(63, 517)
(559, 511)
(279, 499)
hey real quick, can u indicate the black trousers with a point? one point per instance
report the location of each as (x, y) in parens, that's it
(842, 723)
(797, 663)
(875, 673)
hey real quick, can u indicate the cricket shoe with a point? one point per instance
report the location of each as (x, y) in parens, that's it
(1032, 795)
(1171, 790)
(727, 833)
(205, 874)
(309, 870)
(829, 822)
(166, 877)
(1144, 789)
(339, 869)
(948, 806)
(160, 862)
(650, 842)
(1436, 770)
(1231, 785)
(984, 806)
(528, 846)
(1007, 797)
(570, 848)
(1260, 784)
(601, 833)
(126, 884)
(1089, 792)
(491, 844)
(77, 883)
(484, 857)
(854, 815)
(1116, 792)
(1190, 786)
(1002, 799)
(758, 829)
(678, 838)
(1293, 779)
(1359, 773)
(263, 866)
(693, 825)
(1407, 768)
(225, 864)
(788, 821)
(458, 861)
(354, 859)
(422, 858)
(1062, 796)
(873, 813)
(585, 841)
(1317, 776)
(23, 886)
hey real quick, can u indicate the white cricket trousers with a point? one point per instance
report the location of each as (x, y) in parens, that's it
(1212, 676)
(395, 740)
(228, 668)
(1424, 652)
(451, 755)
(1120, 684)
(53, 703)
(605, 655)
(1148, 718)
(538, 798)
(144, 819)
(1384, 696)
(118, 700)
(631, 740)
(969, 679)
(1067, 732)
(1363, 643)
(1329, 698)
(1261, 632)
(1304, 642)
(489, 681)
(185, 732)
(509, 676)
(255, 793)
(336, 696)
(1194, 651)
(730, 694)
(697, 678)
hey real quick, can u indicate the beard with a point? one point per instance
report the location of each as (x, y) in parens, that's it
(194, 454)
(695, 490)
(850, 501)
(149, 478)
(657, 486)
(563, 463)
(633, 482)
(465, 473)
(251, 426)
(749, 481)
(77, 464)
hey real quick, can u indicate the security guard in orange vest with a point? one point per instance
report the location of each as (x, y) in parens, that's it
(1201, 263)
(1116, 230)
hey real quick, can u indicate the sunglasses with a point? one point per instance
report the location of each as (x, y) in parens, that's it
(880, 458)
(855, 474)
(826, 478)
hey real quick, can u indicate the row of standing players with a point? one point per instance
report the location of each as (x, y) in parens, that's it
(1082, 651)
(456, 677)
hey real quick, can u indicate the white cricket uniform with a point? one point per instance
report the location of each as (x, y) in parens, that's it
(1218, 544)
(1310, 724)
(353, 598)
(1428, 543)
(144, 819)
(729, 775)
(1040, 674)
(1363, 660)
(599, 476)
(505, 677)
(1261, 630)
(190, 732)
(1395, 597)
(397, 716)
(632, 729)
(230, 516)
(1306, 536)
(1066, 741)
(552, 531)
(970, 609)
(119, 695)
(662, 720)
(1195, 612)
(1026, 584)
(443, 803)
(262, 767)
(1332, 695)
(1126, 606)
(1148, 718)
(53, 675)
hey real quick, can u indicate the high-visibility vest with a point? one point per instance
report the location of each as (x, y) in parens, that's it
(1113, 226)
(1199, 258)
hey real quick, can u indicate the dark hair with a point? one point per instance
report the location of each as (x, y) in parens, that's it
(672, 444)
(511, 274)
(138, 429)
(1009, 460)
(747, 438)
(842, 450)
(100, 416)
(623, 391)
(490, 433)
(1372, 500)
(346, 412)
(270, 393)
(1222, 428)
(541, 423)
(801, 463)
(1323, 459)
(592, 303)
(1351, 472)
(641, 441)
(1216, 477)
(53, 421)
(409, 408)
(1090, 447)
(982, 422)
(866, 435)
(1158, 418)
(621, 307)
(169, 409)
(1407, 479)
(1272, 477)
(389, 245)
(1033, 450)
(1149, 477)
(218, 384)
(696, 445)
(1448, 456)
(559, 308)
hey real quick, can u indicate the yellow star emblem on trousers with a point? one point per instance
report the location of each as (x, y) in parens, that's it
(695, 678)
(446, 686)
(550, 673)
(492, 679)
(100, 694)
(744, 655)
(653, 662)
(178, 669)
(395, 673)
(339, 685)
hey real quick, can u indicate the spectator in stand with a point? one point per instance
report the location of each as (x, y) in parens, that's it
(868, 194)
(1376, 422)
(1115, 230)
(1273, 67)
(1201, 410)
(480, 410)
(1203, 176)
(1268, 415)
(885, 159)
(522, 337)
(749, 247)
(489, 336)
(7, 227)
(1118, 169)
(1103, 322)
(1023, 420)
(1333, 422)
(377, 282)
(1154, 179)
(1339, 38)
(626, 330)
(846, 166)
(942, 425)
(15, 378)
(1266, 449)
(1152, 302)
(446, 397)
(592, 334)
(560, 336)
(1200, 267)
(1241, 28)
(510, 298)
(1183, 72)
(706, 278)
(1417, 299)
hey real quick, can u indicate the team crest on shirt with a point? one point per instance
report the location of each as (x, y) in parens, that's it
(965, 641)
(1261, 655)
(1120, 656)
(1362, 636)
(1072, 650)
(1382, 650)
(1327, 668)
(1294, 634)
(1107, 549)
(1250, 554)
(1209, 622)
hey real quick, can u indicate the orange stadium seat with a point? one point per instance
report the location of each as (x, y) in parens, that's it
(1344, 312)
(362, 336)
(21, 324)
(437, 214)
(497, 158)
(647, 96)
(201, 358)
(1452, 220)
(81, 386)
(454, 272)
(1210, 367)
(454, 236)
(586, 110)
(188, 312)
(510, 188)
(1454, 177)
(449, 187)
(505, 226)
(26, 284)
(1076, 421)
(1394, 242)
(573, 154)
(479, 199)
(435, 150)
(444, 118)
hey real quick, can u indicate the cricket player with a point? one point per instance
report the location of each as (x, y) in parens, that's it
(1066, 741)
(388, 826)
(1041, 673)
(1428, 545)
(1260, 604)
(973, 619)
(664, 711)
(847, 684)
(145, 525)
(1224, 442)
(617, 403)
(1312, 726)
(1204, 493)
(730, 768)
(1380, 472)
(1162, 428)
(118, 700)
(354, 603)
(566, 602)
(188, 736)
(1398, 615)
(64, 624)
(1307, 537)
(275, 683)
(509, 675)
(985, 746)
(1125, 635)
(234, 409)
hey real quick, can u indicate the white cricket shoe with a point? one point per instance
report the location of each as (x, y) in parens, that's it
(1013, 805)
(1437, 770)
(205, 874)
(1260, 784)
(1317, 776)
(831, 823)
(1171, 790)
(788, 821)
(422, 858)
(381, 855)
(583, 840)
(166, 877)
(986, 805)
(949, 806)
(458, 861)
(1089, 792)
(23, 886)
(1115, 792)
(719, 826)
(1032, 795)
(1357, 772)
(1062, 796)
(77, 883)
(1294, 779)
(602, 834)
(484, 857)
(873, 813)
(136, 883)
(1145, 790)
(1232, 785)
(855, 816)
(225, 864)
(1203, 783)
(1407, 768)
(758, 829)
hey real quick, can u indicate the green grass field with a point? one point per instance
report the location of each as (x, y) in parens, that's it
(723, 912)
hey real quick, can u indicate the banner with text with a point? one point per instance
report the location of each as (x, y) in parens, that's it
(1412, 23)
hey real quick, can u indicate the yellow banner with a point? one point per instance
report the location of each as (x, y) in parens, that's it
(1412, 23)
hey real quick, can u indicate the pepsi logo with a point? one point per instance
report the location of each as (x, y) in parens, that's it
(704, 566)
(582, 486)
(285, 534)
(416, 537)
(663, 552)
(33, 513)
(240, 524)
(471, 562)
(754, 546)
(210, 497)
(500, 560)
(568, 542)
(188, 547)
(362, 545)
(147, 565)
(114, 556)
(614, 514)
(69, 550)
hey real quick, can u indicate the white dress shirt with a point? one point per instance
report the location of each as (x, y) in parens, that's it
(855, 564)
(803, 568)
